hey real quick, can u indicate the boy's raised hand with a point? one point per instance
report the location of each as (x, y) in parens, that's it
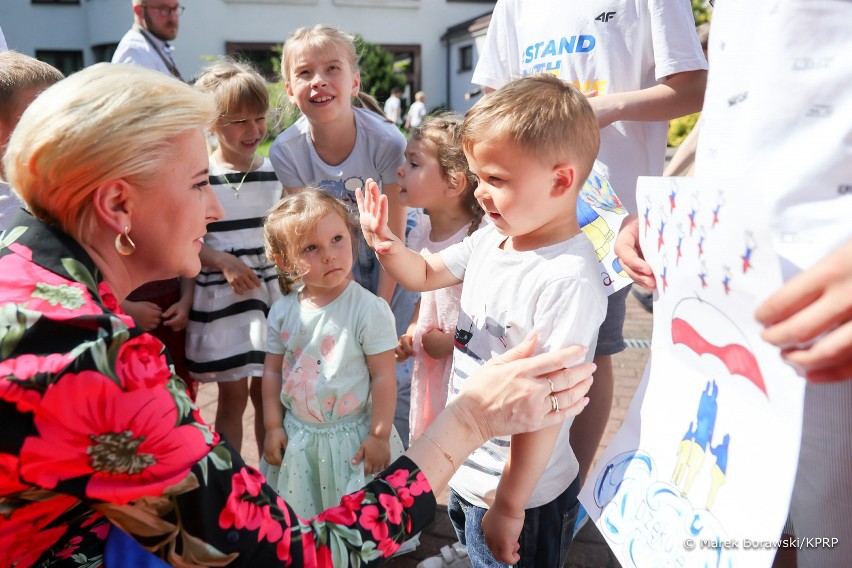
(373, 212)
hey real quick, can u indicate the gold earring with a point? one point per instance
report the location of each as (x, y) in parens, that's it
(123, 243)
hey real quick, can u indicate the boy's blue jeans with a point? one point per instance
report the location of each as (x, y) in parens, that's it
(545, 539)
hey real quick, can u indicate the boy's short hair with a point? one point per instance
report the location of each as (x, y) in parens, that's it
(19, 72)
(540, 115)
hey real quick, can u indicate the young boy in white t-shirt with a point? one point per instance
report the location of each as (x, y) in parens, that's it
(532, 145)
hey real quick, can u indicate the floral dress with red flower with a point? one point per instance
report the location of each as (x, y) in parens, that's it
(98, 431)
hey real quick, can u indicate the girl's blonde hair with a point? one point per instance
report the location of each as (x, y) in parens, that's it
(235, 86)
(319, 37)
(102, 123)
(444, 132)
(288, 224)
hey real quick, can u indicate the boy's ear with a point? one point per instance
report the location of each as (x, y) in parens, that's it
(113, 203)
(563, 179)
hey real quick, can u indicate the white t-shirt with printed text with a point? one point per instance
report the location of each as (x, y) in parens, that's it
(553, 290)
(610, 46)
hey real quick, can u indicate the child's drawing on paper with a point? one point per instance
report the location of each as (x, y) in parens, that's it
(600, 214)
(704, 452)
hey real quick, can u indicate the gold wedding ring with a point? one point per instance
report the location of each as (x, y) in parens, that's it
(552, 390)
(554, 403)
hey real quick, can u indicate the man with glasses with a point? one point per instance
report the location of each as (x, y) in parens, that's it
(155, 24)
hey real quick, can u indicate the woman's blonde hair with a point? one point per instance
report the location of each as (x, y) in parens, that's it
(235, 86)
(319, 37)
(290, 222)
(444, 132)
(105, 122)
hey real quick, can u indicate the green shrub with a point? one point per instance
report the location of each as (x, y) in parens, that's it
(282, 114)
(679, 128)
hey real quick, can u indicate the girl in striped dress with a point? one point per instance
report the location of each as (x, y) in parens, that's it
(226, 334)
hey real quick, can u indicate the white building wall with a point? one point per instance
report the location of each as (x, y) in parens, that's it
(208, 24)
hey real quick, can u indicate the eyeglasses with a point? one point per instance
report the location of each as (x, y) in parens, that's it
(165, 11)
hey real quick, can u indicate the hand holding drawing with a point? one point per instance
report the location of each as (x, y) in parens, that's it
(810, 318)
(373, 211)
(630, 255)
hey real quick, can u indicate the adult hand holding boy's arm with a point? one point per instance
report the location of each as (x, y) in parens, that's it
(629, 253)
(410, 269)
(810, 318)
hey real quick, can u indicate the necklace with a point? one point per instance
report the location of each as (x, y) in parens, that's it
(239, 185)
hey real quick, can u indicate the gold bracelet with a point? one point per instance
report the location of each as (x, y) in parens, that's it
(443, 451)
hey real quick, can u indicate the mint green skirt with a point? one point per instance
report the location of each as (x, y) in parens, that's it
(317, 469)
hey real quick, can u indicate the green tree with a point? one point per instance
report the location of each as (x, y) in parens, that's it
(377, 70)
(702, 11)
(679, 128)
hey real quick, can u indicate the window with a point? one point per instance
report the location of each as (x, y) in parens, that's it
(103, 52)
(66, 60)
(466, 58)
(55, 1)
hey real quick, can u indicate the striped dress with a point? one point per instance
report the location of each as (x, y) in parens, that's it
(226, 333)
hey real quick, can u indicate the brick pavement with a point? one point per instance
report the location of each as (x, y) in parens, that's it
(589, 550)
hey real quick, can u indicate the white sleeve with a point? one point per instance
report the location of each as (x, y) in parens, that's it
(274, 344)
(391, 156)
(676, 45)
(457, 256)
(283, 163)
(569, 312)
(377, 330)
(134, 55)
(499, 60)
